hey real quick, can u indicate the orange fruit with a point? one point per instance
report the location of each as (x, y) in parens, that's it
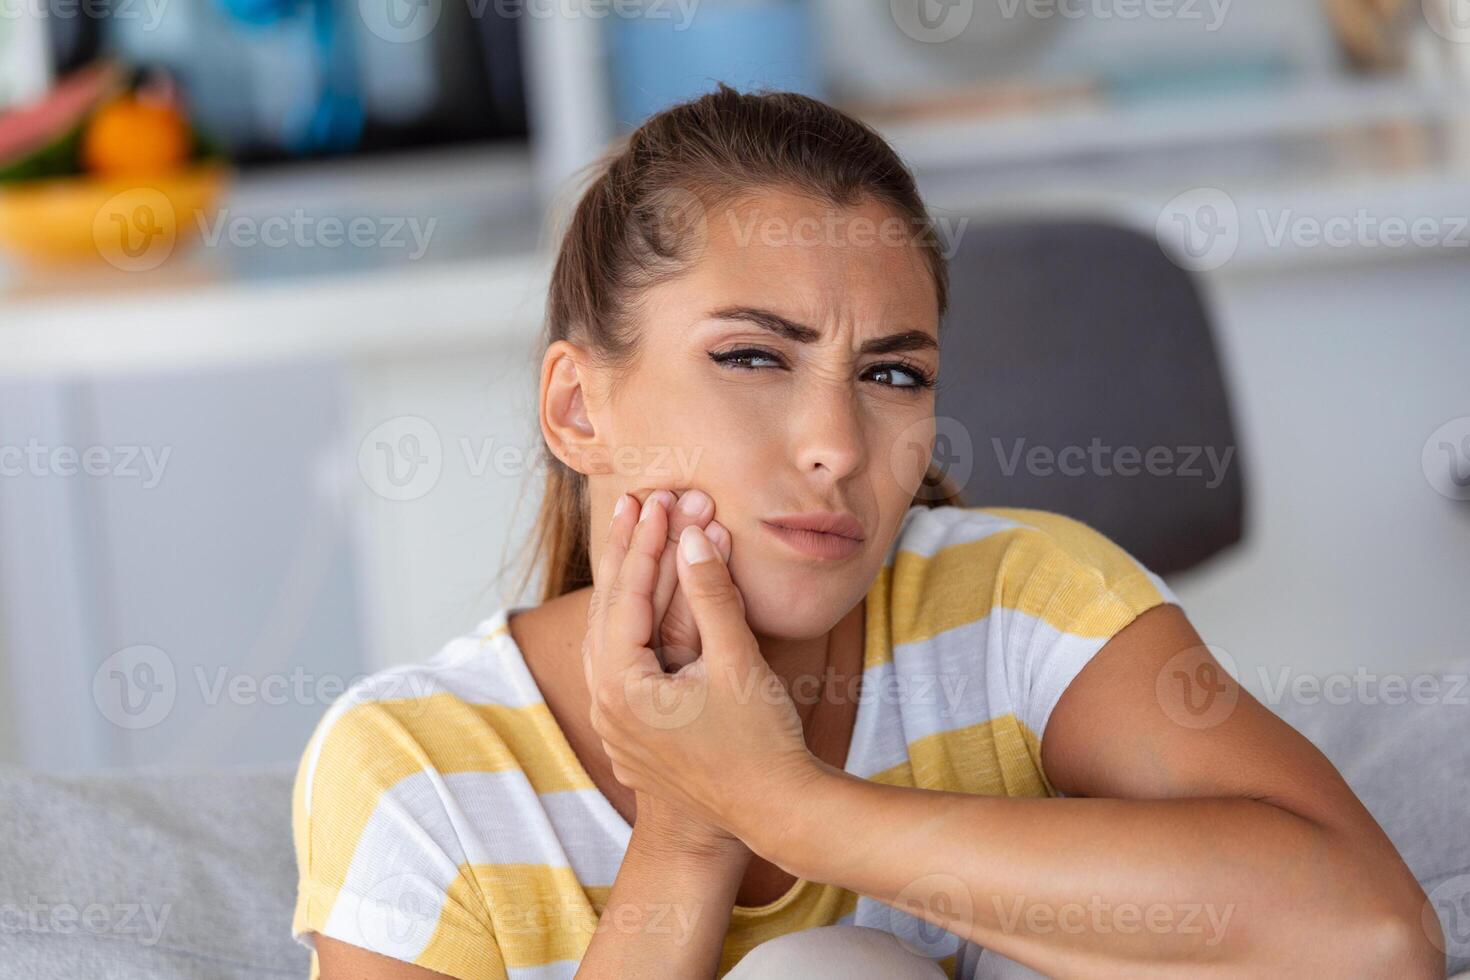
(132, 136)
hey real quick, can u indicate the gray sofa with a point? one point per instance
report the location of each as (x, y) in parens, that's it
(145, 874)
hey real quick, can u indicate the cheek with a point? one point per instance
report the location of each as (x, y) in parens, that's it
(901, 456)
(668, 440)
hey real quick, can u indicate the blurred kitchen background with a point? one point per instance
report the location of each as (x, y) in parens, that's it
(271, 281)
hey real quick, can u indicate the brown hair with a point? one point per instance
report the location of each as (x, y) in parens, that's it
(624, 237)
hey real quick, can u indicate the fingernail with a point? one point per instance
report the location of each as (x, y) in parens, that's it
(692, 503)
(620, 505)
(648, 505)
(695, 545)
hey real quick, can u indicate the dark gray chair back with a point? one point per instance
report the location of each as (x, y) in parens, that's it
(1078, 361)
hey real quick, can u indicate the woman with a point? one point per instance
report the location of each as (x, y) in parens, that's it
(786, 703)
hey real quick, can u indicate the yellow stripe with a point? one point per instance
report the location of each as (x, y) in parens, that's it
(1000, 757)
(377, 744)
(1058, 570)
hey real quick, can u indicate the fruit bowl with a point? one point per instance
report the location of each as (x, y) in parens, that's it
(131, 222)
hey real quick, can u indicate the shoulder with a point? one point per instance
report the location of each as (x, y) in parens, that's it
(446, 714)
(1035, 562)
(382, 792)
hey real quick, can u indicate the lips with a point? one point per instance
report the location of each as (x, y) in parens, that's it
(822, 535)
(822, 522)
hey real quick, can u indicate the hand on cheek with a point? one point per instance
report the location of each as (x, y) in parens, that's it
(720, 738)
(677, 640)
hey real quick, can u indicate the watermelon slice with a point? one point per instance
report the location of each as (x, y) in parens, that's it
(41, 139)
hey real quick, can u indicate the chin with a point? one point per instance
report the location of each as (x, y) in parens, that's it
(793, 603)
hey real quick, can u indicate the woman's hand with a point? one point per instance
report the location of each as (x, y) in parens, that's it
(720, 739)
(678, 640)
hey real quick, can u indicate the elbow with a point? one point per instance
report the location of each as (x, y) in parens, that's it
(1403, 943)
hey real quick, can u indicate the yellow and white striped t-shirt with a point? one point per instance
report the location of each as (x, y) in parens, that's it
(441, 817)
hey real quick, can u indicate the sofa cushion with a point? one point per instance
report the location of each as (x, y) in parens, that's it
(143, 874)
(1406, 754)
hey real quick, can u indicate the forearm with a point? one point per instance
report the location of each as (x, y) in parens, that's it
(666, 916)
(1094, 886)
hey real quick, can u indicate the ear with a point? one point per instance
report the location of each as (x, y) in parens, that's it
(565, 421)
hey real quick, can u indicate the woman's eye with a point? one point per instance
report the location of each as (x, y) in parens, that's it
(906, 377)
(741, 358)
(892, 375)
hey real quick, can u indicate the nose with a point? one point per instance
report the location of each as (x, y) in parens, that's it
(828, 432)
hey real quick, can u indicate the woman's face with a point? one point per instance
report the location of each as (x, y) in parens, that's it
(758, 381)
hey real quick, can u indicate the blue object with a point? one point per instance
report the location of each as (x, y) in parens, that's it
(657, 61)
(333, 120)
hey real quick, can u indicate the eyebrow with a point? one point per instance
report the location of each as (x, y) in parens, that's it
(799, 333)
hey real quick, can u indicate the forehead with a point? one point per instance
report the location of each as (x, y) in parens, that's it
(814, 259)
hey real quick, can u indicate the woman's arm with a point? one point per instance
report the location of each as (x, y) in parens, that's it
(1228, 848)
(668, 911)
(666, 915)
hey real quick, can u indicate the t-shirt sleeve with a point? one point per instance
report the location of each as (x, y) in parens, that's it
(1067, 590)
(379, 862)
